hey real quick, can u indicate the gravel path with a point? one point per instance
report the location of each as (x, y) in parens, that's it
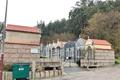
(109, 73)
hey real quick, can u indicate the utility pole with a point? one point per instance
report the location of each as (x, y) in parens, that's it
(3, 33)
(4, 28)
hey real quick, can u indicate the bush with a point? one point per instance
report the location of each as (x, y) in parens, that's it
(117, 60)
(7, 67)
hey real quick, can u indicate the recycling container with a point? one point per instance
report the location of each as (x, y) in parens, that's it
(20, 71)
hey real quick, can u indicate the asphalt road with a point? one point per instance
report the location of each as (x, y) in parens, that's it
(108, 73)
(72, 69)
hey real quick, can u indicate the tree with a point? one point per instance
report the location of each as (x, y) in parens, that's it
(79, 18)
(105, 26)
(85, 9)
(79, 15)
(55, 30)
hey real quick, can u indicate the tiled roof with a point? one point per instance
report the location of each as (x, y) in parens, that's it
(12, 27)
(34, 44)
(100, 42)
(104, 49)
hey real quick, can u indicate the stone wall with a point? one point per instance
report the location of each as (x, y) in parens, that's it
(29, 58)
(102, 58)
(17, 48)
(20, 53)
(18, 58)
(22, 37)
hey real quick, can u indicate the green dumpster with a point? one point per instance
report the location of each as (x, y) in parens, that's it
(21, 71)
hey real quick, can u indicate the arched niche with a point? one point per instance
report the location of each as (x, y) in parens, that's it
(79, 48)
(69, 50)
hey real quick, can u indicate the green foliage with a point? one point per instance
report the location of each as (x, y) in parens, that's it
(79, 15)
(7, 67)
(55, 30)
(96, 18)
(85, 9)
(55, 37)
(117, 60)
(105, 26)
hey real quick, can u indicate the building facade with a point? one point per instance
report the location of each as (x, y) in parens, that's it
(21, 41)
(98, 53)
(90, 52)
(79, 48)
(53, 50)
(69, 51)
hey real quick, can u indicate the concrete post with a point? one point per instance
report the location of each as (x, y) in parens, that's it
(1, 66)
(33, 70)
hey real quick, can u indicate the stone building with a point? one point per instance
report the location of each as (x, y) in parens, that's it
(75, 49)
(90, 52)
(98, 53)
(79, 48)
(69, 51)
(22, 42)
(53, 50)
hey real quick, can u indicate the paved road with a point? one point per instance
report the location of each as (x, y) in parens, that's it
(109, 73)
(72, 69)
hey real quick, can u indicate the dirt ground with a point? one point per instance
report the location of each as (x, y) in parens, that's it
(107, 73)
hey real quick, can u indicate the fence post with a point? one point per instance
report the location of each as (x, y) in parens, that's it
(54, 69)
(49, 73)
(40, 74)
(33, 70)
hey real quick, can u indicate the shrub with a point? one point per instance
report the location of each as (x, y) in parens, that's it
(7, 67)
(117, 60)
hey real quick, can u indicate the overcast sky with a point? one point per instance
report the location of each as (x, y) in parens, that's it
(28, 12)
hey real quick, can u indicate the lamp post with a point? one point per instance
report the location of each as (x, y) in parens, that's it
(3, 32)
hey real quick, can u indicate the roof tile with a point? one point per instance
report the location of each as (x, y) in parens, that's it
(100, 42)
(12, 27)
